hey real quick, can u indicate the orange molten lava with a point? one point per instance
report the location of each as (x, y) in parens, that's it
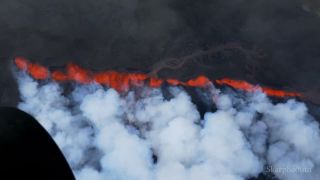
(174, 82)
(155, 82)
(123, 81)
(21, 63)
(119, 81)
(200, 81)
(59, 76)
(35, 70)
(243, 85)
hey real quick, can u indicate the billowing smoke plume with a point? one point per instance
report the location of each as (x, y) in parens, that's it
(143, 135)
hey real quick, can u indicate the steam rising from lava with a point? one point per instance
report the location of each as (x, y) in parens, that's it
(143, 135)
(123, 81)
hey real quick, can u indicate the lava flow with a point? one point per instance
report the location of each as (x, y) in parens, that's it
(123, 81)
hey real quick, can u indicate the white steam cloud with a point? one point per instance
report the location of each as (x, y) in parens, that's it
(144, 136)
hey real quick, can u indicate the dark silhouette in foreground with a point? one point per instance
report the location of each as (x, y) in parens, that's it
(27, 151)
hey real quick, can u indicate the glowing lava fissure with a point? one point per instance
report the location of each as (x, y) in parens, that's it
(123, 81)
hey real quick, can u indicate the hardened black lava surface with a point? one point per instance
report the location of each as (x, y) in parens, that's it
(133, 35)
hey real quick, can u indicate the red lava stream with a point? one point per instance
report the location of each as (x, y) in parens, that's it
(123, 81)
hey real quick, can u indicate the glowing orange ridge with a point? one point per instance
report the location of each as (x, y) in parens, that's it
(123, 81)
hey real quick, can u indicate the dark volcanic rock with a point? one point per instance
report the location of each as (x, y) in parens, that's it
(281, 38)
